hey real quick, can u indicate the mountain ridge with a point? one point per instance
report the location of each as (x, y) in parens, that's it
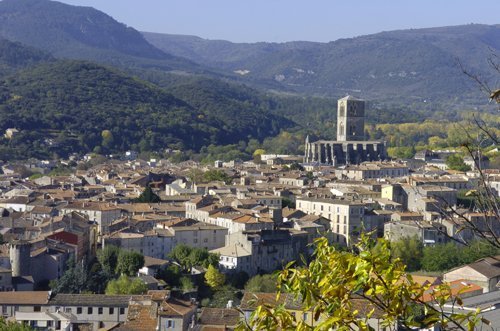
(416, 63)
(82, 33)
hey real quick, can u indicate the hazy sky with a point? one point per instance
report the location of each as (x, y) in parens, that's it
(286, 20)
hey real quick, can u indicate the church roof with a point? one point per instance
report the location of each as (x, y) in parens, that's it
(350, 97)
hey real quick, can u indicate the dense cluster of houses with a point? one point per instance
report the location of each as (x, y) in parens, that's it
(266, 217)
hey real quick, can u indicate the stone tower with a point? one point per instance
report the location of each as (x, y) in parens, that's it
(350, 119)
(20, 252)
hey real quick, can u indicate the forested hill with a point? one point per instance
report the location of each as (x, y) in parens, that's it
(412, 65)
(81, 106)
(14, 56)
(82, 33)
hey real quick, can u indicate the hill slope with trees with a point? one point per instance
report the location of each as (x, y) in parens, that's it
(81, 106)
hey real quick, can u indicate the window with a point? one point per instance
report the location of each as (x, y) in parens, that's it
(90, 310)
(205, 240)
(37, 308)
(67, 310)
(170, 324)
(99, 310)
(79, 310)
(122, 311)
(4, 310)
(304, 317)
(111, 310)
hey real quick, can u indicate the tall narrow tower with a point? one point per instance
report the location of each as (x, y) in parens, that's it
(350, 119)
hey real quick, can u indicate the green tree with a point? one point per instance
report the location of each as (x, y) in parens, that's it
(13, 326)
(108, 258)
(181, 254)
(126, 285)
(171, 275)
(73, 281)
(148, 196)
(216, 175)
(441, 257)
(129, 263)
(224, 294)
(107, 139)
(333, 281)
(262, 283)
(409, 251)
(186, 283)
(456, 162)
(214, 278)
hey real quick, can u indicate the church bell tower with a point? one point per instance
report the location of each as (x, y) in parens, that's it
(350, 119)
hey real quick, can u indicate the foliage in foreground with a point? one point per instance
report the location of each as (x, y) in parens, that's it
(333, 281)
(13, 326)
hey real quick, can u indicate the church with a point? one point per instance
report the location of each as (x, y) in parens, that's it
(350, 146)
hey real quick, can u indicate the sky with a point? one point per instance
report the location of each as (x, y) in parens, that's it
(289, 20)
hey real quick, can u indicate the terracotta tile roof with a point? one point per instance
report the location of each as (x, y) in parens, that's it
(103, 300)
(141, 316)
(24, 298)
(219, 316)
(86, 205)
(176, 307)
(459, 287)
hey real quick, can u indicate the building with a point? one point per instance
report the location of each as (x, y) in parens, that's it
(156, 310)
(484, 272)
(261, 251)
(101, 213)
(346, 216)
(350, 146)
(429, 233)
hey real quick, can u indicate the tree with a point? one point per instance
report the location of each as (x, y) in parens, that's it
(217, 175)
(262, 283)
(13, 326)
(333, 281)
(126, 285)
(181, 254)
(148, 196)
(171, 275)
(456, 162)
(186, 283)
(441, 257)
(224, 294)
(73, 281)
(409, 251)
(189, 257)
(107, 139)
(129, 263)
(108, 258)
(214, 278)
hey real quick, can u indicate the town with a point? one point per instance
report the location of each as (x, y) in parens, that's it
(191, 237)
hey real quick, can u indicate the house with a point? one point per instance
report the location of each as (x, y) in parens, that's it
(488, 303)
(261, 251)
(10, 133)
(155, 310)
(101, 213)
(346, 216)
(429, 233)
(217, 319)
(484, 272)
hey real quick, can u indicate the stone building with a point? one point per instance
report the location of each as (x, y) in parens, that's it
(350, 146)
